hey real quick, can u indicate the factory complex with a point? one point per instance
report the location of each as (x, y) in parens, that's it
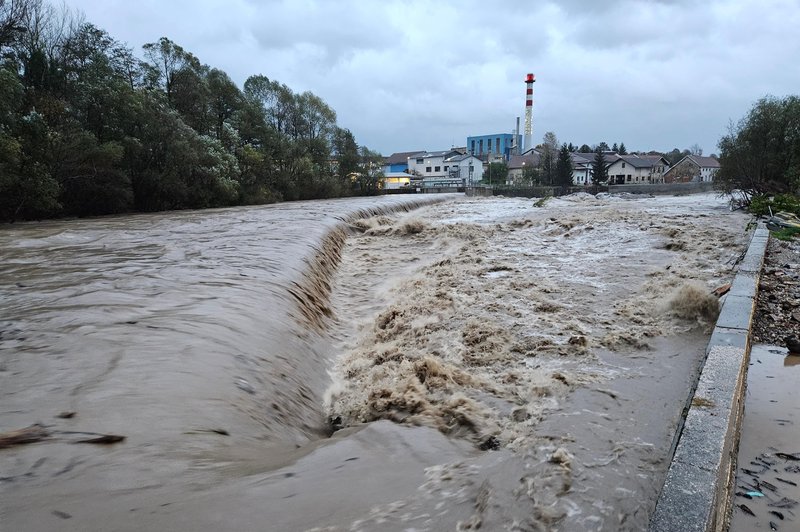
(471, 164)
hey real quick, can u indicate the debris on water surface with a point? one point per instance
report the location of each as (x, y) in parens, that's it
(754, 494)
(777, 514)
(773, 526)
(787, 456)
(785, 502)
(722, 290)
(104, 439)
(30, 434)
(746, 510)
(66, 415)
(779, 479)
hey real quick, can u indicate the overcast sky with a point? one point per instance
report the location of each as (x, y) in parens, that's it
(408, 75)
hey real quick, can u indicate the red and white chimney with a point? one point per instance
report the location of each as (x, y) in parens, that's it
(529, 81)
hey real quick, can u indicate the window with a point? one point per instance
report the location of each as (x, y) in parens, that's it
(446, 168)
(437, 169)
(629, 178)
(497, 144)
(420, 161)
(472, 151)
(428, 169)
(623, 165)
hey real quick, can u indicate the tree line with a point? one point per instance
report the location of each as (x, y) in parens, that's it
(88, 128)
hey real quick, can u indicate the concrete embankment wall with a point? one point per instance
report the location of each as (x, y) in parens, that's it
(697, 493)
(675, 189)
(663, 188)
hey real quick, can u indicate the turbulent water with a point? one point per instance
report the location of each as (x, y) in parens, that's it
(488, 362)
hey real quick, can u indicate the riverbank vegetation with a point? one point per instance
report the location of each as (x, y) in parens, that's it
(88, 128)
(760, 156)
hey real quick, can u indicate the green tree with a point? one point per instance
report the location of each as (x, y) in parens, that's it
(564, 167)
(615, 148)
(585, 148)
(167, 60)
(496, 173)
(761, 153)
(531, 175)
(348, 157)
(599, 168)
(27, 190)
(622, 149)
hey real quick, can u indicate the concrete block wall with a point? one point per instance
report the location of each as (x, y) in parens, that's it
(697, 493)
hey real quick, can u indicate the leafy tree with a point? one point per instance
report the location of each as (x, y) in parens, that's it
(550, 141)
(585, 148)
(26, 188)
(496, 173)
(761, 153)
(602, 147)
(168, 59)
(564, 167)
(599, 168)
(531, 175)
(622, 149)
(347, 154)
(674, 156)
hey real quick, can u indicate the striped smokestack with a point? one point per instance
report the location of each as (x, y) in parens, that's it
(529, 81)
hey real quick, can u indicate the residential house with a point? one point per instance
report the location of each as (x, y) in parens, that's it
(518, 163)
(582, 168)
(692, 168)
(637, 169)
(398, 162)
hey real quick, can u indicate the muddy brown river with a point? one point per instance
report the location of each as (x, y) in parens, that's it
(393, 363)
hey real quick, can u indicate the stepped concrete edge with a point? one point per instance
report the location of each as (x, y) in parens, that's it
(697, 491)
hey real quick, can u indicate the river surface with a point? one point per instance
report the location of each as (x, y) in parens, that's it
(355, 364)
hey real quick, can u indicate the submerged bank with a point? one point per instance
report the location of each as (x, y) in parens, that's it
(564, 337)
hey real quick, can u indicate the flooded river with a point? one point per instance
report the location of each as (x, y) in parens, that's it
(355, 364)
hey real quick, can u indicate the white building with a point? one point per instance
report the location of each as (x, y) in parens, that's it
(467, 170)
(445, 168)
(430, 164)
(582, 168)
(637, 169)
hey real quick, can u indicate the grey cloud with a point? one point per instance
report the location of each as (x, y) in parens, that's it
(406, 74)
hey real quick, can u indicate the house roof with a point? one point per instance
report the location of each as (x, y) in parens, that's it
(439, 153)
(642, 161)
(581, 158)
(532, 158)
(705, 162)
(458, 158)
(401, 157)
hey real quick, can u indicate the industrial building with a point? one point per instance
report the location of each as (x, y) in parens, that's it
(484, 147)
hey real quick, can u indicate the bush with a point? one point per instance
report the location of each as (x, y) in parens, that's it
(761, 205)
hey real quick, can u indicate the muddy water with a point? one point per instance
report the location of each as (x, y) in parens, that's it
(170, 329)
(768, 474)
(488, 363)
